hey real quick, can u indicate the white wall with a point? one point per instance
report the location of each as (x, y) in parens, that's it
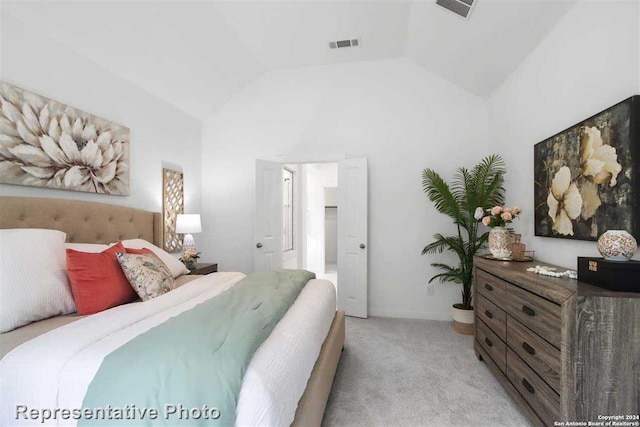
(589, 62)
(291, 259)
(330, 236)
(398, 115)
(161, 135)
(314, 220)
(331, 196)
(331, 225)
(318, 177)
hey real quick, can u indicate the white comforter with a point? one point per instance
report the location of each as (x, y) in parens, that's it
(54, 370)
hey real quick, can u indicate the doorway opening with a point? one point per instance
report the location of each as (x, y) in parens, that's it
(310, 218)
(307, 248)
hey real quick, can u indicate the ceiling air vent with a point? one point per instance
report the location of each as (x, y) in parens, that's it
(459, 7)
(344, 43)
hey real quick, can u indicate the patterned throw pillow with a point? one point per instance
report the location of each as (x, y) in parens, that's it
(148, 276)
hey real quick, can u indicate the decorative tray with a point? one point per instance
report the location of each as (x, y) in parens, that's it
(526, 258)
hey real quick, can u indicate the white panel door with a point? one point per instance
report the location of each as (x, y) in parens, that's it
(268, 216)
(352, 237)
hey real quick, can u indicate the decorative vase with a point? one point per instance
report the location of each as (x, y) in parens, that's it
(500, 243)
(517, 248)
(462, 320)
(191, 265)
(617, 245)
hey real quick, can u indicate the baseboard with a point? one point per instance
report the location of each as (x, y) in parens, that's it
(419, 315)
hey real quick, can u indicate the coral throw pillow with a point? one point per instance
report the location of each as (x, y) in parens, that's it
(97, 281)
(149, 276)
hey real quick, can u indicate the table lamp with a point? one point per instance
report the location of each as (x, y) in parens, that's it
(187, 224)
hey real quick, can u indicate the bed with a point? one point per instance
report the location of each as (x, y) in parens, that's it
(288, 378)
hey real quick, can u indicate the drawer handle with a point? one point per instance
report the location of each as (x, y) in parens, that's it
(488, 287)
(528, 386)
(488, 341)
(528, 310)
(488, 314)
(529, 349)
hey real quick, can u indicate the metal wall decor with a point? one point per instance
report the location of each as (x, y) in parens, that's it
(172, 205)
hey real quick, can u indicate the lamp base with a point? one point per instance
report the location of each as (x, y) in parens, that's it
(188, 242)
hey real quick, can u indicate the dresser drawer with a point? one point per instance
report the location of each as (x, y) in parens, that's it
(493, 316)
(536, 313)
(541, 356)
(544, 401)
(492, 344)
(492, 288)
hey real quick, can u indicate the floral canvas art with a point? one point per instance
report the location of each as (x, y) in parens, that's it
(587, 178)
(44, 143)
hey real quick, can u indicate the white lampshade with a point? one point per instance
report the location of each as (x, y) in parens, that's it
(188, 223)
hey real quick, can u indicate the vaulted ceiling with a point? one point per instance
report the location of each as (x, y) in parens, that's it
(198, 54)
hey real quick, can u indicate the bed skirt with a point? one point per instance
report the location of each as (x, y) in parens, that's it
(314, 400)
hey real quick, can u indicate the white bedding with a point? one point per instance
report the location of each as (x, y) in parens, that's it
(55, 369)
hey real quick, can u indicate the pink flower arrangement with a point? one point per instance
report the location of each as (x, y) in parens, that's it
(190, 255)
(499, 216)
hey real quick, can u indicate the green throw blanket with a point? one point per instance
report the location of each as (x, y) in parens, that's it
(195, 359)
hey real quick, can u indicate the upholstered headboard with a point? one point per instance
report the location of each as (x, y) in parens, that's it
(84, 222)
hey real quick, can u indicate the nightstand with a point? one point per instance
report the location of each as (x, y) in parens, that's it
(204, 269)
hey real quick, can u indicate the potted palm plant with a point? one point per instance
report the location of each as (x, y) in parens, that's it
(464, 201)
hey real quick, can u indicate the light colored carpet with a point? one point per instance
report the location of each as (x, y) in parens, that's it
(396, 372)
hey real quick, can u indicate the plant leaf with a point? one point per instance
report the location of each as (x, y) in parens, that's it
(440, 194)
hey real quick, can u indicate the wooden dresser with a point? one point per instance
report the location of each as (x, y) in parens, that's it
(564, 350)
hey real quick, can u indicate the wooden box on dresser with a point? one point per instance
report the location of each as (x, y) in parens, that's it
(564, 350)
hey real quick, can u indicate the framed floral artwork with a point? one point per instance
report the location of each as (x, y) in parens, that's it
(587, 177)
(44, 143)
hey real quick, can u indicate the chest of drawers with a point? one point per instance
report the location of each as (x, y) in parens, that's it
(564, 350)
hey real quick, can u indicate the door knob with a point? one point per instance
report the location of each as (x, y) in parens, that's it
(259, 245)
(362, 246)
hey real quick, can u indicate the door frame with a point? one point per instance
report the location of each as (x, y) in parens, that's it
(304, 161)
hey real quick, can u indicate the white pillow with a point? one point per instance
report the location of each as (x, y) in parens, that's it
(176, 267)
(93, 248)
(33, 277)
